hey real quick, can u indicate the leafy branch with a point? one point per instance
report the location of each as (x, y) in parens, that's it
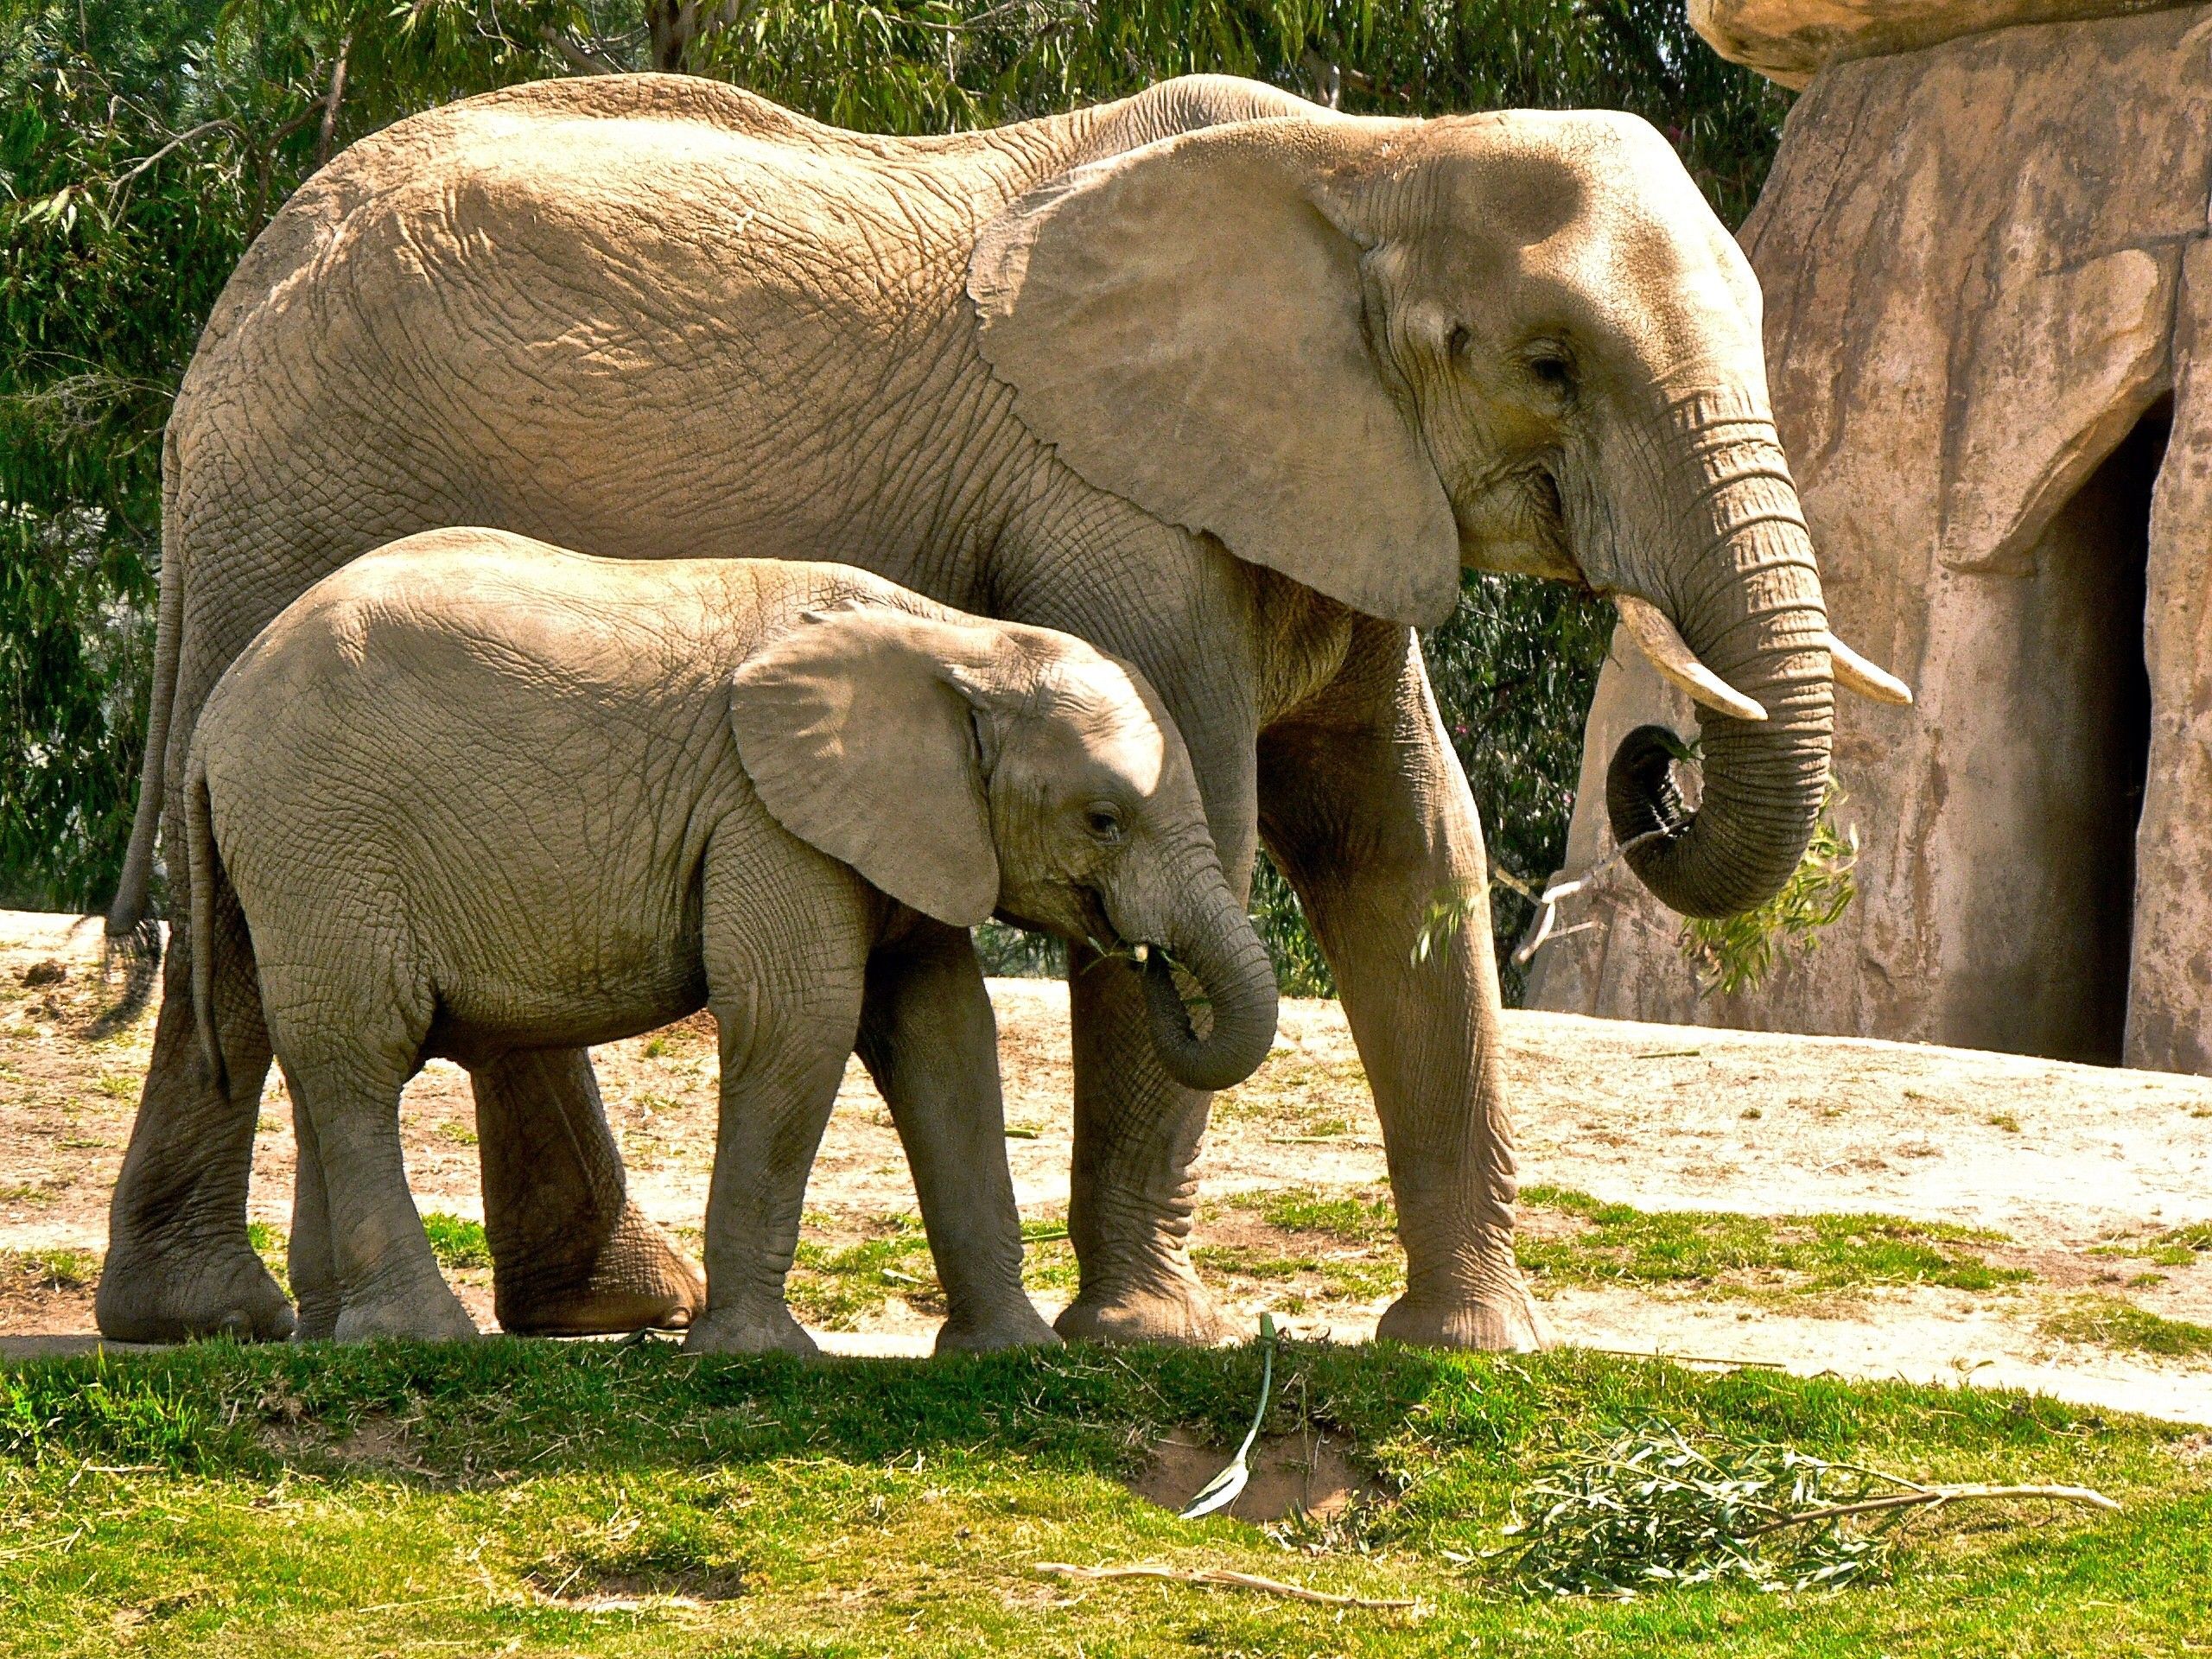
(1737, 953)
(1645, 1508)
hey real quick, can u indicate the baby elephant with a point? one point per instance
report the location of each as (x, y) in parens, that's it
(475, 794)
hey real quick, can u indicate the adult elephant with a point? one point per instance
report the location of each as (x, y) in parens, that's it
(1226, 384)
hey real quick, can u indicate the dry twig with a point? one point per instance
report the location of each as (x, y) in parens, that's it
(1220, 1576)
(1935, 1497)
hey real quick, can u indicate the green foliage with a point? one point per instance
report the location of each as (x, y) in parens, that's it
(53, 1268)
(2196, 1236)
(1020, 953)
(837, 1288)
(1618, 1243)
(1514, 671)
(1643, 1508)
(142, 146)
(1737, 953)
(1300, 970)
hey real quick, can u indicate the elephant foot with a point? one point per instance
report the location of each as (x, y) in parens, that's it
(1011, 1327)
(1493, 1321)
(1174, 1310)
(423, 1313)
(173, 1295)
(318, 1312)
(748, 1331)
(638, 1278)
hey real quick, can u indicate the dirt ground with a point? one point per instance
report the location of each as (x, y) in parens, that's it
(2092, 1184)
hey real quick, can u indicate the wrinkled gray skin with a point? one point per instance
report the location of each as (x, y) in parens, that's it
(1229, 385)
(474, 796)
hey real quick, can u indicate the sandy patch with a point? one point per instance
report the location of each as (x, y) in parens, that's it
(2064, 1160)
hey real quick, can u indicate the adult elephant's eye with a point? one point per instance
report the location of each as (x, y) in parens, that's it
(1104, 823)
(1458, 341)
(1552, 371)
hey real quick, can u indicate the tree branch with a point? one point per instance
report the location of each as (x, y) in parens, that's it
(576, 57)
(177, 142)
(1213, 1575)
(331, 100)
(1936, 1496)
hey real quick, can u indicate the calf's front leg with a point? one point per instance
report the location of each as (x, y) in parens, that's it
(930, 1041)
(785, 1041)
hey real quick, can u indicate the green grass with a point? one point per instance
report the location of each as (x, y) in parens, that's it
(2198, 1235)
(1618, 1243)
(1355, 1218)
(583, 1499)
(838, 1287)
(1817, 1253)
(54, 1268)
(1354, 1278)
(2111, 1323)
(2178, 1247)
(455, 1242)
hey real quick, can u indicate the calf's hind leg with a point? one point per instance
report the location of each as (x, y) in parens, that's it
(308, 1264)
(346, 1084)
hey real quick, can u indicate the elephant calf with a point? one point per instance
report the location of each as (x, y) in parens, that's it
(474, 796)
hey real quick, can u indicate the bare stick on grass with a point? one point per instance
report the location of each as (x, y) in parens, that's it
(1220, 1576)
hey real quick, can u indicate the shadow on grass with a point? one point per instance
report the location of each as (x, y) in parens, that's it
(487, 1410)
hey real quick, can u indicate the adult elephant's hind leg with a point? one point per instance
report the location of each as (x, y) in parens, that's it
(1136, 1132)
(570, 1254)
(1365, 809)
(178, 1261)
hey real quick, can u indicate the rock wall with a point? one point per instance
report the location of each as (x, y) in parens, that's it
(1790, 41)
(1985, 269)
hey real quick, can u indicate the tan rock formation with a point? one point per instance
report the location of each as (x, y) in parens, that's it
(1986, 273)
(1790, 40)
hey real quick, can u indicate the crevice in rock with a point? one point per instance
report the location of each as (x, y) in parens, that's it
(2084, 712)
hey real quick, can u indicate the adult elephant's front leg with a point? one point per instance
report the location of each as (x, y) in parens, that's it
(570, 1254)
(1136, 1134)
(1364, 806)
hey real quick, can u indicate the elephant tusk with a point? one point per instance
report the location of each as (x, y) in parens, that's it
(1671, 655)
(1854, 673)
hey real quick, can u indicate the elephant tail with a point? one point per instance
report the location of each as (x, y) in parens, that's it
(128, 917)
(205, 862)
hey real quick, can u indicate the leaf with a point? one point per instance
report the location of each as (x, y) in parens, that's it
(1224, 1488)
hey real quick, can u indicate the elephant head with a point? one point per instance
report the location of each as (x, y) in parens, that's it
(1368, 352)
(966, 767)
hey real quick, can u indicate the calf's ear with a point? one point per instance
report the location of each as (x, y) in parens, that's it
(859, 739)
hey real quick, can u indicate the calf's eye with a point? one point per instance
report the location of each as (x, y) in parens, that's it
(1104, 822)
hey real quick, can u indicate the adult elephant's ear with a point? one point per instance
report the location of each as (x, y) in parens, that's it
(1183, 323)
(861, 743)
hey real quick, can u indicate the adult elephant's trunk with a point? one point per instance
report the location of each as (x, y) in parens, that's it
(1746, 602)
(1213, 942)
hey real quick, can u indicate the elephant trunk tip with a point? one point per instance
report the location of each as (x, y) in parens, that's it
(1667, 845)
(1243, 1026)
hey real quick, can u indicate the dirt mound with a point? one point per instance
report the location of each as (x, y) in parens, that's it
(1292, 1474)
